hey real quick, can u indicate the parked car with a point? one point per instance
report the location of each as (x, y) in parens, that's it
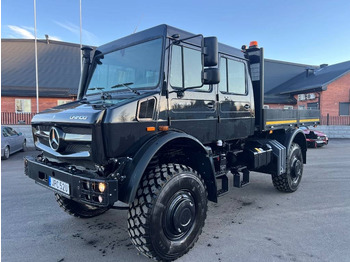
(11, 142)
(314, 138)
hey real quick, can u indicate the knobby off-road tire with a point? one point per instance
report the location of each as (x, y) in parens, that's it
(289, 181)
(78, 209)
(168, 213)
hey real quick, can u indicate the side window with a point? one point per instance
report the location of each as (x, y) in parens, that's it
(233, 76)
(5, 132)
(186, 68)
(12, 132)
(223, 75)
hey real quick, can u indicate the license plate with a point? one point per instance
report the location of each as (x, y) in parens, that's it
(59, 185)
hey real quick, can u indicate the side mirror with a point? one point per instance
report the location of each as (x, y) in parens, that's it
(211, 76)
(210, 51)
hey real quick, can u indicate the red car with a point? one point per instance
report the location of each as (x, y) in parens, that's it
(314, 138)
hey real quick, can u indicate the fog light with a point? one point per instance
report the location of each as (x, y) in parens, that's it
(100, 199)
(101, 187)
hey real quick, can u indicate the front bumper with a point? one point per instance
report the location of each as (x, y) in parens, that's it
(83, 187)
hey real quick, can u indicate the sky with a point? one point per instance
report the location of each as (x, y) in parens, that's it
(301, 31)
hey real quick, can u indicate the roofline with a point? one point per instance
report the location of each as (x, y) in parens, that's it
(289, 63)
(40, 41)
(336, 78)
(315, 89)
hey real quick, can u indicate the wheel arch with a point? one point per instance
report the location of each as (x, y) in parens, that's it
(187, 147)
(293, 136)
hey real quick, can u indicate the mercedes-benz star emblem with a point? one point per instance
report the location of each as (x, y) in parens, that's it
(54, 139)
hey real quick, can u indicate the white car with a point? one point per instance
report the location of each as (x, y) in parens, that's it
(11, 142)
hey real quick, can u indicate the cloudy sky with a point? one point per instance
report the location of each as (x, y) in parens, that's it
(310, 32)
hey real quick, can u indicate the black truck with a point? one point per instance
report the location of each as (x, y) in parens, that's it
(162, 119)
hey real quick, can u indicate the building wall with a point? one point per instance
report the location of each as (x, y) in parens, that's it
(280, 106)
(8, 104)
(304, 104)
(338, 91)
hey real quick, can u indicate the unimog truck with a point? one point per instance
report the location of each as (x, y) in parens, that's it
(162, 118)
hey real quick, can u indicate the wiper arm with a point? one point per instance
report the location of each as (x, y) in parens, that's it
(127, 86)
(96, 88)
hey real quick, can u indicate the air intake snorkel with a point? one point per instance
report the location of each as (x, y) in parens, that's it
(86, 65)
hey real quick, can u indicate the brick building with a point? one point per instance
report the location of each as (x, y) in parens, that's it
(309, 87)
(58, 70)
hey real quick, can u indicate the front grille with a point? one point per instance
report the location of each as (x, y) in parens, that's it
(78, 144)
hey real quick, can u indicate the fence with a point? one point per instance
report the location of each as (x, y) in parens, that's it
(335, 120)
(12, 118)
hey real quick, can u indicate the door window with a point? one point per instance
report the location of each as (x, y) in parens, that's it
(233, 77)
(186, 68)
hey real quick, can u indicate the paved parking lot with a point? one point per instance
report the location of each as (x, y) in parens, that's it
(255, 223)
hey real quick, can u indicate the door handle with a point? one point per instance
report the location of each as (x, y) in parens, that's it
(246, 107)
(210, 105)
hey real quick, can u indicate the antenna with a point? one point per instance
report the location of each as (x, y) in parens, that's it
(138, 23)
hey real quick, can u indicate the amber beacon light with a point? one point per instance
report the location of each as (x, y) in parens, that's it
(253, 44)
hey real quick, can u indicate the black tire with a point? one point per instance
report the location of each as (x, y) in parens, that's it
(168, 213)
(24, 146)
(78, 209)
(289, 181)
(6, 153)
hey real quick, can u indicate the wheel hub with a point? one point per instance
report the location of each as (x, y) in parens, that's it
(180, 215)
(296, 170)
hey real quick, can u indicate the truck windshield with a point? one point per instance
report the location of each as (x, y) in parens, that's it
(131, 68)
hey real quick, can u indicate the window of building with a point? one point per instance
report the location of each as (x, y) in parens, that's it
(344, 109)
(62, 102)
(288, 107)
(233, 76)
(186, 68)
(312, 105)
(23, 105)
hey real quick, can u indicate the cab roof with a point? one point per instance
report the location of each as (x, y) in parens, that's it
(161, 31)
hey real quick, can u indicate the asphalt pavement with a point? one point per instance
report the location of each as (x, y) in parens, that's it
(255, 223)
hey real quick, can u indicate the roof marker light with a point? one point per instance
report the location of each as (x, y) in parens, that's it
(253, 44)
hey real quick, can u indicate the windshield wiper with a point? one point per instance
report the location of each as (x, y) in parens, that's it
(96, 88)
(127, 86)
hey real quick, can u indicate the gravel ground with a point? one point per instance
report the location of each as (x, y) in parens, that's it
(255, 223)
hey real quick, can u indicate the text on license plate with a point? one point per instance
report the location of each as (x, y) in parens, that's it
(59, 185)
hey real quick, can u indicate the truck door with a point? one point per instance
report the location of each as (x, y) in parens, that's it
(194, 110)
(235, 100)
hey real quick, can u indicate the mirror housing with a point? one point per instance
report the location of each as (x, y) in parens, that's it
(210, 51)
(211, 76)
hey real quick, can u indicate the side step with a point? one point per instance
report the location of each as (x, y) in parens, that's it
(224, 185)
(237, 181)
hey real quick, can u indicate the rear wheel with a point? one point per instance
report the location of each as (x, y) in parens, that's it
(77, 209)
(168, 213)
(289, 181)
(6, 153)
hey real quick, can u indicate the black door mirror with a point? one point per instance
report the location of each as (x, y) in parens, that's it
(211, 76)
(210, 50)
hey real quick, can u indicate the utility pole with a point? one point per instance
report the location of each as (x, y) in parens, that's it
(81, 26)
(36, 60)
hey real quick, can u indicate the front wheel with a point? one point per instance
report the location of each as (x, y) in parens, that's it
(289, 181)
(77, 209)
(24, 146)
(6, 153)
(168, 213)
